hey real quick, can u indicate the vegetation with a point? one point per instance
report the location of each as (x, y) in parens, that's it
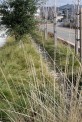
(65, 59)
(24, 82)
(18, 16)
(64, 54)
(29, 92)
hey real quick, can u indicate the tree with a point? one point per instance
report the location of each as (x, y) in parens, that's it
(18, 16)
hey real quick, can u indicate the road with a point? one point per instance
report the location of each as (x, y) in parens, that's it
(63, 33)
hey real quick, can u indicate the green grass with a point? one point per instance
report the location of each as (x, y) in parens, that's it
(29, 91)
(65, 57)
(21, 74)
(65, 60)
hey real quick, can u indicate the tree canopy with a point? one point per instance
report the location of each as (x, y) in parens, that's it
(18, 16)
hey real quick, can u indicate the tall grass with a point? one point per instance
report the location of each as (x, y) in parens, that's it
(69, 71)
(27, 90)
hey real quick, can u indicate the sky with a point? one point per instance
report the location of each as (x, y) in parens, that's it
(60, 2)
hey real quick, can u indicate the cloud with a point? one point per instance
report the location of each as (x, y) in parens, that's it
(58, 2)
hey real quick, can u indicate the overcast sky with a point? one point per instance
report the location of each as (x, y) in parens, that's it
(59, 2)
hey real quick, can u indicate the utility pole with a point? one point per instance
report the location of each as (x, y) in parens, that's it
(54, 25)
(77, 29)
(67, 15)
(81, 35)
(55, 33)
(46, 18)
(55, 46)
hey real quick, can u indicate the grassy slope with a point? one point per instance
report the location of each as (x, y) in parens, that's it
(22, 72)
(65, 58)
(67, 62)
(27, 90)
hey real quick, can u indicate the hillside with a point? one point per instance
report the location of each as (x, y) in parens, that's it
(67, 6)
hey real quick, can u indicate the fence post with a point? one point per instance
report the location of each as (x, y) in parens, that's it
(81, 35)
(46, 17)
(54, 26)
(77, 29)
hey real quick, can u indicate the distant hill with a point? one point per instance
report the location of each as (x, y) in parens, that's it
(67, 6)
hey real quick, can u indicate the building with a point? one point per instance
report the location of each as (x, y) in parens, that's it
(48, 12)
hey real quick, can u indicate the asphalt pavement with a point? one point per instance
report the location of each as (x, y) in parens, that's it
(66, 34)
